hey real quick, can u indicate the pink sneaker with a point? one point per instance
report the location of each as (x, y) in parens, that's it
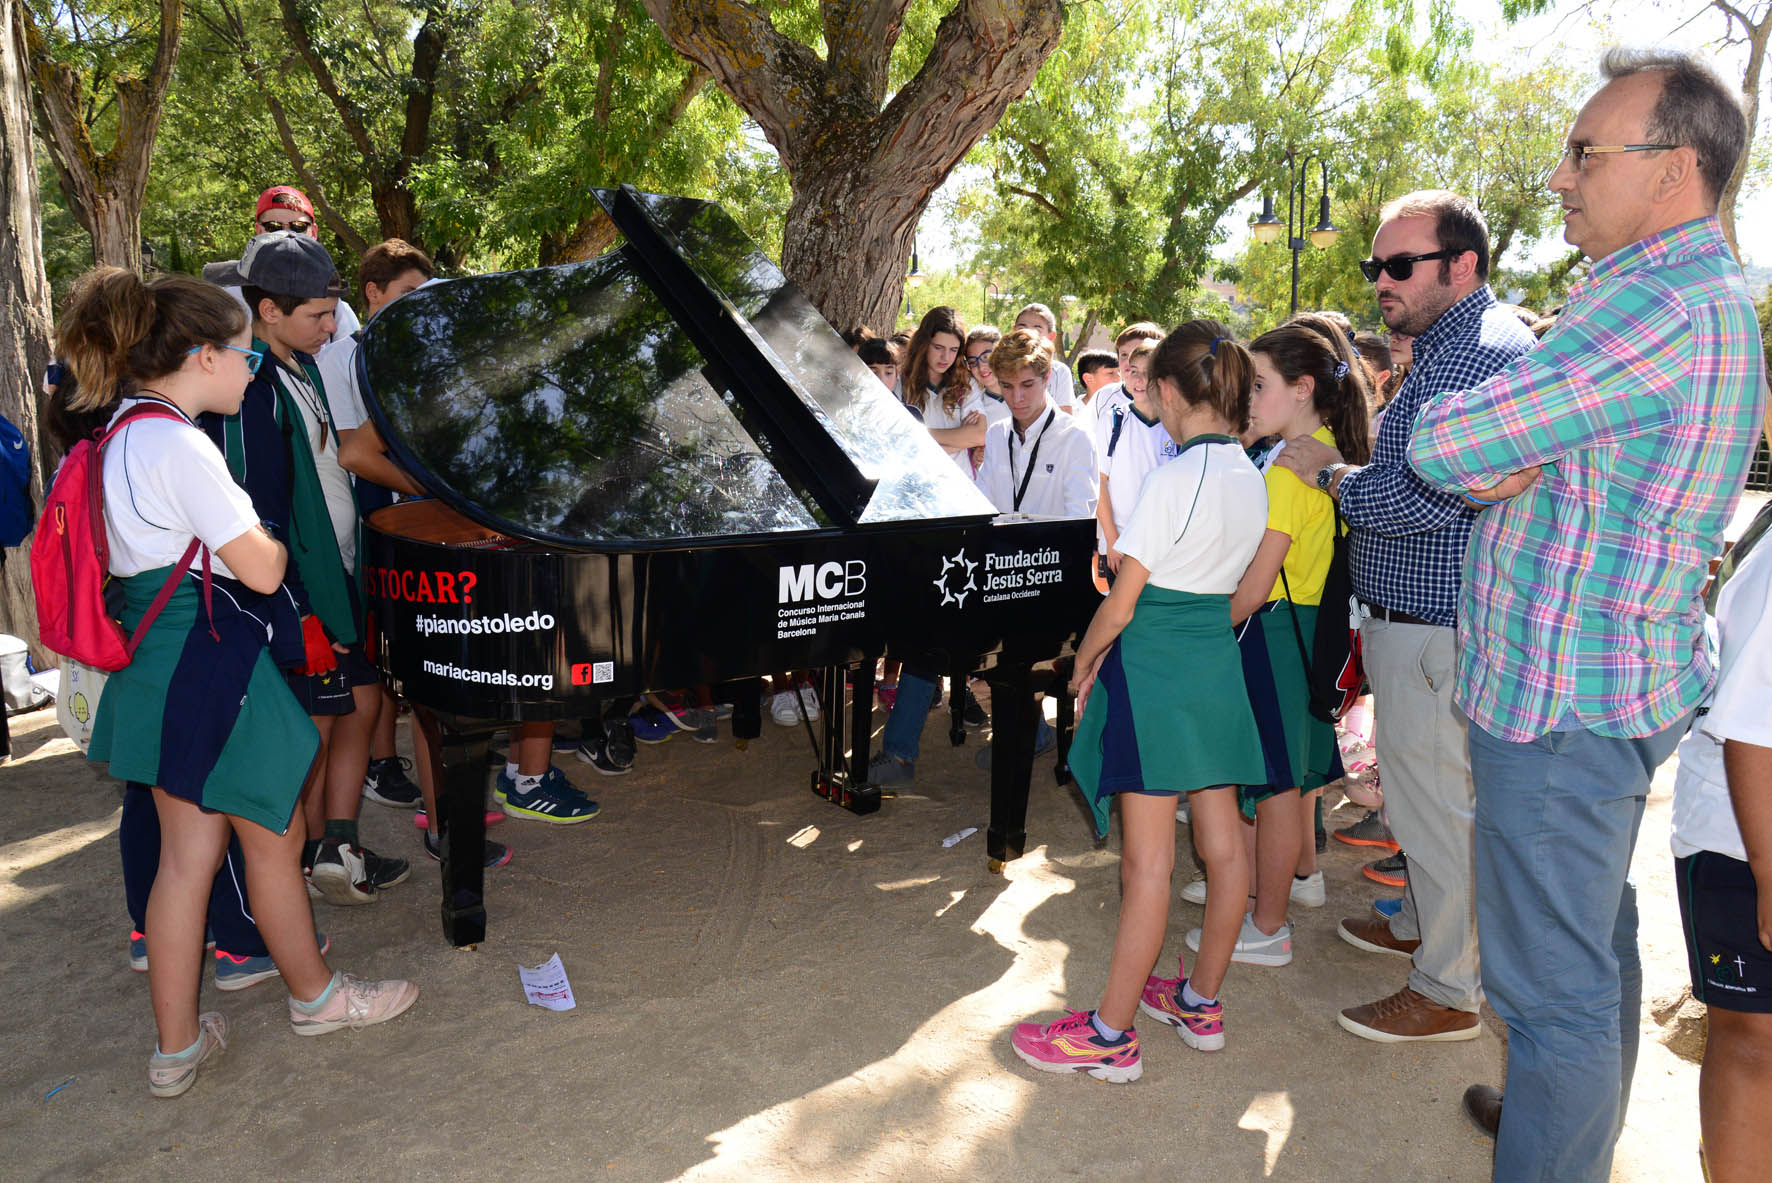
(1072, 1045)
(354, 1003)
(492, 818)
(172, 1076)
(1202, 1029)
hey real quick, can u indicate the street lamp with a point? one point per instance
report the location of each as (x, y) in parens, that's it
(1266, 228)
(913, 279)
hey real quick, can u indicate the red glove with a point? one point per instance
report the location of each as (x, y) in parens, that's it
(321, 658)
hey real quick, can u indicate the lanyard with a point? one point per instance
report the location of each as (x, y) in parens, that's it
(1033, 455)
(296, 382)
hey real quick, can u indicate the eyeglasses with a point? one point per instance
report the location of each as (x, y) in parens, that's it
(1400, 267)
(974, 360)
(254, 358)
(299, 225)
(1577, 155)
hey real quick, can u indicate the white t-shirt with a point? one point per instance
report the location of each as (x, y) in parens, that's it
(1199, 521)
(1063, 482)
(1143, 447)
(1106, 399)
(995, 409)
(338, 370)
(335, 482)
(166, 483)
(1084, 413)
(1740, 709)
(937, 417)
(1059, 385)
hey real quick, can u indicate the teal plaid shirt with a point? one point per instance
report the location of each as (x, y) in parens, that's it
(1643, 405)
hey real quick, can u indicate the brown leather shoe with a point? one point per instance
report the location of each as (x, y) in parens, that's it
(1374, 936)
(1408, 1017)
(1482, 1104)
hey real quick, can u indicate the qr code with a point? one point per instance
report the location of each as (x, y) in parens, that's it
(603, 671)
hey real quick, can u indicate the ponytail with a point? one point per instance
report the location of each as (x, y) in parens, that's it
(1208, 367)
(118, 330)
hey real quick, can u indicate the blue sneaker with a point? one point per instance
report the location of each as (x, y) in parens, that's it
(237, 973)
(1388, 908)
(652, 725)
(138, 952)
(552, 800)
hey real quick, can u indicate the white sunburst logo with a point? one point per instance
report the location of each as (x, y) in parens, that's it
(955, 581)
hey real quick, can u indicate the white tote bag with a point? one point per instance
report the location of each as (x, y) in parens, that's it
(76, 704)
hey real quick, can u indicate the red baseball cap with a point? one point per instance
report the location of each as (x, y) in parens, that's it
(284, 197)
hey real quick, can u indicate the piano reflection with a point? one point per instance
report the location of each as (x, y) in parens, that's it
(662, 468)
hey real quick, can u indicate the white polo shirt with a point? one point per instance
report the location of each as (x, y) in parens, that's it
(1740, 708)
(1061, 482)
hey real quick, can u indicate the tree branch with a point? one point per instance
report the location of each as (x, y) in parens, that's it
(859, 36)
(350, 118)
(606, 68)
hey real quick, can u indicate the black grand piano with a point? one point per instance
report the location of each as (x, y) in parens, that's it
(662, 468)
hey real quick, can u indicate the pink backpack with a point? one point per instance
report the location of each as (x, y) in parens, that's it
(70, 558)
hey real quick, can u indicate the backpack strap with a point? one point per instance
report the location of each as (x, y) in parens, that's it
(95, 475)
(1298, 633)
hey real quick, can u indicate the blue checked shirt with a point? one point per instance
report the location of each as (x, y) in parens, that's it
(1407, 544)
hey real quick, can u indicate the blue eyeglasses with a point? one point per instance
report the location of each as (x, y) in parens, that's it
(254, 359)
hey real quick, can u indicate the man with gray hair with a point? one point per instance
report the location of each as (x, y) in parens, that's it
(1607, 463)
(1429, 272)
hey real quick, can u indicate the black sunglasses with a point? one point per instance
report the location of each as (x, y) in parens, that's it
(299, 225)
(1400, 267)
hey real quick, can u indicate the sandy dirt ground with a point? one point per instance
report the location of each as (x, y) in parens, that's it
(768, 988)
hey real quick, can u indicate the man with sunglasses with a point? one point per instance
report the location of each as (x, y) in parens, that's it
(1607, 464)
(1429, 271)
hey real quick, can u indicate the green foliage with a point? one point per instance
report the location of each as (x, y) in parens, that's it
(535, 104)
(1156, 118)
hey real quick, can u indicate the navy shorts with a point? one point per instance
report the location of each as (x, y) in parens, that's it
(1719, 909)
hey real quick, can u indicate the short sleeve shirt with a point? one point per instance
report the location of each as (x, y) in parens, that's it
(1199, 521)
(1703, 817)
(1304, 514)
(936, 416)
(166, 483)
(1143, 446)
(338, 370)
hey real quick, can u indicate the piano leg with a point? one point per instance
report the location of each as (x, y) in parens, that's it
(958, 677)
(861, 721)
(1067, 718)
(831, 780)
(1013, 714)
(461, 783)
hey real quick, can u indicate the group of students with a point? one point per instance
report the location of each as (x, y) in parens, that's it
(1215, 560)
(250, 723)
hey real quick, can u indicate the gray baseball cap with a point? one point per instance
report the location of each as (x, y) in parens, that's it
(283, 263)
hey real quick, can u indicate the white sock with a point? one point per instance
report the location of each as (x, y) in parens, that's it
(1111, 1034)
(511, 770)
(1193, 1000)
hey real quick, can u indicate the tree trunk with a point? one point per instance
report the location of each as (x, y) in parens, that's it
(24, 337)
(862, 167)
(105, 190)
(1755, 35)
(847, 237)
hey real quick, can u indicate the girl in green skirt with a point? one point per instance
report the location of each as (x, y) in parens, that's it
(1304, 386)
(1164, 712)
(201, 712)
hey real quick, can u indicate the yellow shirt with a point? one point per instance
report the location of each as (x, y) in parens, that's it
(1306, 515)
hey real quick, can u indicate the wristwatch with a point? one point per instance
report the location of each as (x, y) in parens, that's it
(1327, 473)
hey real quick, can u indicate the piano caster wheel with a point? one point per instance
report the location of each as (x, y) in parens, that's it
(996, 866)
(957, 736)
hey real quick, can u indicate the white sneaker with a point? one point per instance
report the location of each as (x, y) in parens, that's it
(783, 710)
(809, 696)
(1255, 947)
(1195, 891)
(354, 1003)
(340, 875)
(1308, 892)
(1183, 815)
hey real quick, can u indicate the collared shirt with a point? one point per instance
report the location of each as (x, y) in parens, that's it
(1407, 539)
(1063, 482)
(1643, 405)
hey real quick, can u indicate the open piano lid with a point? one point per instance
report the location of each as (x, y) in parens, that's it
(678, 389)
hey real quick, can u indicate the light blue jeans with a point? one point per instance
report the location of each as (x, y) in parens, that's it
(903, 734)
(1557, 821)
